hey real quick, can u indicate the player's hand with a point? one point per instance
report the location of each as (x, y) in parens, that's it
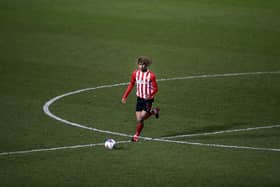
(123, 101)
(149, 97)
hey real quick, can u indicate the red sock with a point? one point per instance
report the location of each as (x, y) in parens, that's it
(139, 128)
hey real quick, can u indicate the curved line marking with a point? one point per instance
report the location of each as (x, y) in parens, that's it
(164, 139)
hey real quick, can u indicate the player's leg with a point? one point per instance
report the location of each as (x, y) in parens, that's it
(143, 111)
(155, 112)
(139, 125)
(140, 117)
(150, 111)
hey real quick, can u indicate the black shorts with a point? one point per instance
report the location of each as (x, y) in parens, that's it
(144, 104)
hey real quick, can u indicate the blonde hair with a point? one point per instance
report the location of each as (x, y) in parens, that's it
(144, 60)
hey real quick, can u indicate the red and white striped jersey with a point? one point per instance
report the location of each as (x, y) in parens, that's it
(146, 85)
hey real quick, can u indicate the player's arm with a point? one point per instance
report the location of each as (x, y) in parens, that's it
(129, 87)
(154, 85)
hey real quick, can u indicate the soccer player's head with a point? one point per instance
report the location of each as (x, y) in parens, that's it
(144, 60)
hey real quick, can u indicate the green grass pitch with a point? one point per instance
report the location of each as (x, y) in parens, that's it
(53, 47)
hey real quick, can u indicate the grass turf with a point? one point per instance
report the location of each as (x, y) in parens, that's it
(49, 48)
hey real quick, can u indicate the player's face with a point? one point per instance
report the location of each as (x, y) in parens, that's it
(142, 67)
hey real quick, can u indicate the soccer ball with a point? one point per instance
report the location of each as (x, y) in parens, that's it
(110, 144)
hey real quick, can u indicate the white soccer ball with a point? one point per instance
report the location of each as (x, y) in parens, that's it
(110, 144)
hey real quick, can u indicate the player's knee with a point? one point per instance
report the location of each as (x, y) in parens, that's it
(140, 120)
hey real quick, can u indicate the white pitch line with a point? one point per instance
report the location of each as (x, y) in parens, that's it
(50, 114)
(221, 132)
(47, 105)
(57, 148)
(219, 75)
(164, 139)
(218, 145)
(50, 102)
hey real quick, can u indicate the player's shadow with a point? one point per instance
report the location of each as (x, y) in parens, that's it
(119, 147)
